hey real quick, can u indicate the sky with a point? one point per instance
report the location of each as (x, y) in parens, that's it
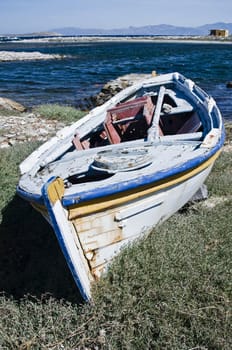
(27, 16)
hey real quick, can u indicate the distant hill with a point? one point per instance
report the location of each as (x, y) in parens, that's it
(27, 35)
(161, 29)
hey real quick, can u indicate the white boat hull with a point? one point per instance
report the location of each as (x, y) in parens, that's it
(127, 166)
(91, 240)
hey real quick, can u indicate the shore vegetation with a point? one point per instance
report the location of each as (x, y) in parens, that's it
(66, 114)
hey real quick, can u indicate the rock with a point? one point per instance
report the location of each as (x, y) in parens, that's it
(6, 56)
(4, 145)
(229, 84)
(112, 88)
(12, 142)
(11, 105)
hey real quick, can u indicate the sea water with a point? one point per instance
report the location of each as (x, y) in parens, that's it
(87, 66)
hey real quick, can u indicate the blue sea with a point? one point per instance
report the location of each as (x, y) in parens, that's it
(87, 66)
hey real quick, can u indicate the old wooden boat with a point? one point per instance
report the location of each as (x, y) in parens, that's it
(128, 165)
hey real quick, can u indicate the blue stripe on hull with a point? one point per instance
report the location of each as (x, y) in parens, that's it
(144, 180)
(112, 189)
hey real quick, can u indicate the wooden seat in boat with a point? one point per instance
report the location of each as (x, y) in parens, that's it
(129, 120)
(181, 123)
(191, 125)
(80, 145)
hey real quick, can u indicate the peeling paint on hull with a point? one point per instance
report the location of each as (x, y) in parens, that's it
(103, 233)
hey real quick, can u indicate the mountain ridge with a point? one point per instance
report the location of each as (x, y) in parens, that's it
(160, 29)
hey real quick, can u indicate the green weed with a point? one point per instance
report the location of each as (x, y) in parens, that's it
(62, 113)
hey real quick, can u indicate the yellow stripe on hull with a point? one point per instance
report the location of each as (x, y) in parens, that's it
(97, 205)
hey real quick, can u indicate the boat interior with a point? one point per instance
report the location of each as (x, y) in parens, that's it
(164, 117)
(132, 119)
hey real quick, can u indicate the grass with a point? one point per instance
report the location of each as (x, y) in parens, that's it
(58, 112)
(170, 291)
(54, 111)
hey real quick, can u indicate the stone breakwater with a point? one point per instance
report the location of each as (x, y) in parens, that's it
(6, 56)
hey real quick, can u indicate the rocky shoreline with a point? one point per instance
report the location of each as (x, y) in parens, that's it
(26, 128)
(19, 126)
(6, 56)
